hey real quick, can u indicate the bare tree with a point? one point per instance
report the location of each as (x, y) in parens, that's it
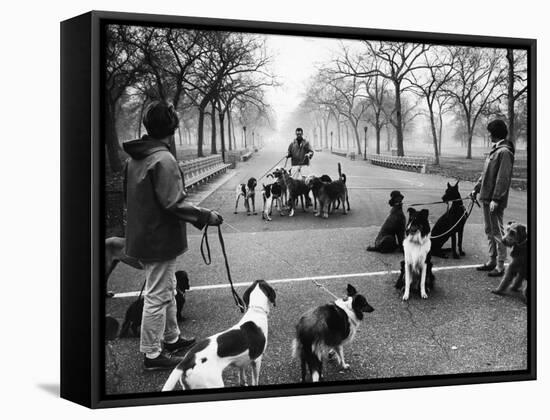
(428, 83)
(516, 84)
(396, 61)
(477, 74)
(122, 68)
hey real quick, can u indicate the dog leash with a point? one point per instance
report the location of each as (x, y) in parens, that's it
(320, 286)
(207, 258)
(445, 202)
(270, 169)
(466, 213)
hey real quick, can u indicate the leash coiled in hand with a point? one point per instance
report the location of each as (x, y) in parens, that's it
(207, 258)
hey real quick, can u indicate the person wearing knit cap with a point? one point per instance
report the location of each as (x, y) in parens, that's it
(156, 218)
(493, 188)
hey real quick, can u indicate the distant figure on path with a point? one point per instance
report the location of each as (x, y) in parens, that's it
(300, 154)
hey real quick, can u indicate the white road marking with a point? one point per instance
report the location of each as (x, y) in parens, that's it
(302, 279)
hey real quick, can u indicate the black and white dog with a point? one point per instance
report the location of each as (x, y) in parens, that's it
(242, 345)
(271, 193)
(416, 247)
(326, 329)
(248, 192)
(134, 313)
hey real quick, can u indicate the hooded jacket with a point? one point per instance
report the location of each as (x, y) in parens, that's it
(494, 183)
(155, 203)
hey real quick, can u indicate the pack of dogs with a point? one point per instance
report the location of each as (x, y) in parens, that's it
(289, 189)
(321, 332)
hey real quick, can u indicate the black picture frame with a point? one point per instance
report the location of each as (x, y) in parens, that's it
(82, 203)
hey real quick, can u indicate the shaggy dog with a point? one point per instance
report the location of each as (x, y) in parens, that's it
(515, 237)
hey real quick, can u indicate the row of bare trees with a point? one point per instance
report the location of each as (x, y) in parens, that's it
(388, 84)
(202, 73)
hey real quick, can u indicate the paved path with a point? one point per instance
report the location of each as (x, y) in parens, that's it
(461, 328)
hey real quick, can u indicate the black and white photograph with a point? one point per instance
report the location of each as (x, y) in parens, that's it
(285, 210)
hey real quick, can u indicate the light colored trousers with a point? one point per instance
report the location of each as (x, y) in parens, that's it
(159, 321)
(493, 229)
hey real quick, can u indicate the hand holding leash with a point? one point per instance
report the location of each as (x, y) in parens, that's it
(215, 219)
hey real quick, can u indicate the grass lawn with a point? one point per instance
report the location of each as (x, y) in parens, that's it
(470, 170)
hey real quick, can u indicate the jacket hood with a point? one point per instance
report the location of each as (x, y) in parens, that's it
(508, 145)
(143, 147)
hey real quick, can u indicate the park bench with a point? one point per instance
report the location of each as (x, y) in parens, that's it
(246, 156)
(198, 170)
(417, 164)
(344, 152)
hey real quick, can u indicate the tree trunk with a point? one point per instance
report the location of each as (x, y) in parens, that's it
(470, 137)
(511, 99)
(325, 121)
(200, 139)
(213, 147)
(388, 133)
(378, 128)
(339, 134)
(358, 140)
(111, 139)
(399, 120)
(434, 135)
(222, 134)
(440, 131)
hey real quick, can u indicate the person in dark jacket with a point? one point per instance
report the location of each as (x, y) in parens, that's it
(157, 214)
(493, 188)
(300, 154)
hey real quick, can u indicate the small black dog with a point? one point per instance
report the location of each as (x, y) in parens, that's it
(455, 216)
(134, 313)
(392, 232)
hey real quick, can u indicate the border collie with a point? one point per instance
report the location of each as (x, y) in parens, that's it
(248, 192)
(416, 247)
(327, 328)
(242, 345)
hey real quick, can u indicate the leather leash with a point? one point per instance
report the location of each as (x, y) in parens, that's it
(207, 258)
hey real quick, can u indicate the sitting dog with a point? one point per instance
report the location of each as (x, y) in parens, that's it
(515, 237)
(248, 192)
(297, 188)
(241, 346)
(115, 252)
(134, 313)
(392, 232)
(450, 224)
(416, 247)
(328, 328)
(271, 193)
(328, 193)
